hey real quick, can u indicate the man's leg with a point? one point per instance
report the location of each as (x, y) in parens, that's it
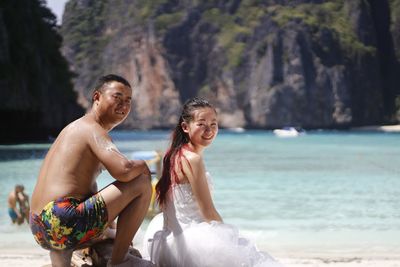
(130, 202)
(60, 258)
(20, 220)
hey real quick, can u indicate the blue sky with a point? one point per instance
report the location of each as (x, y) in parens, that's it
(57, 7)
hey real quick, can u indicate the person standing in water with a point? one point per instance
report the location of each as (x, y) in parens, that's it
(67, 210)
(190, 231)
(16, 211)
(23, 201)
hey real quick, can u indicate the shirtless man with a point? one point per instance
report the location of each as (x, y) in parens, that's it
(13, 199)
(67, 210)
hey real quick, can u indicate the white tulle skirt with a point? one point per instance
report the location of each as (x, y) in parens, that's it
(202, 244)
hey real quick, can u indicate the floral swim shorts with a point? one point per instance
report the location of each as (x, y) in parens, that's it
(68, 222)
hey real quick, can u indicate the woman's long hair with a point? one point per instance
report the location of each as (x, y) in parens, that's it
(178, 139)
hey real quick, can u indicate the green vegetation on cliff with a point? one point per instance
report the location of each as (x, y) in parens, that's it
(395, 25)
(230, 30)
(395, 29)
(165, 21)
(87, 39)
(332, 56)
(330, 15)
(236, 28)
(37, 96)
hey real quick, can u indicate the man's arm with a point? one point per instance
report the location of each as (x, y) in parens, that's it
(120, 167)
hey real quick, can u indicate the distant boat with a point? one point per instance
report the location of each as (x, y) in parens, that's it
(236, 129)
(288, 132)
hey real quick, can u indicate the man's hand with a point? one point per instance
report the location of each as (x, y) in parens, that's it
(147, 171)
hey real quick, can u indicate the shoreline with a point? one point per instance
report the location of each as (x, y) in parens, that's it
(378, 128)
(373, 128)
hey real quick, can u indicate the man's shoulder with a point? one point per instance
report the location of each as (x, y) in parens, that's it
(74, 133)
(83, 134)
(83, 127)
(11, 196)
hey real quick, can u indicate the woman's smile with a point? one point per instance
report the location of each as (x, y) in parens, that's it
(208, 137)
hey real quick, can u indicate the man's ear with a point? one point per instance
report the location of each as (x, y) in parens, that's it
(185, 127)
(96, 95)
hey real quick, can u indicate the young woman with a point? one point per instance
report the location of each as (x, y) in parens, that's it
(190, 231)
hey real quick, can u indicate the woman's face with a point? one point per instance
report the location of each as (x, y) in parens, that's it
(203, 128)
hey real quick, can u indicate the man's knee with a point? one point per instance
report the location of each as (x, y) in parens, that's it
(144, 181)
(140, 185)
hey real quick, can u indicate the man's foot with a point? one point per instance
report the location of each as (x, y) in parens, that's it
(132, 261)
(134, 252)
(81, 258)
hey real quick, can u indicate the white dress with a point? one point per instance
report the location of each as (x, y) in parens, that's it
(180, 237)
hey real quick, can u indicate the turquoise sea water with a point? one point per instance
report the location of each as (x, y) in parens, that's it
(324, 192)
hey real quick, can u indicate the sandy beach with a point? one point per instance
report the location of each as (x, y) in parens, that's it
(24, 258)
(341, 262)
(39, 257)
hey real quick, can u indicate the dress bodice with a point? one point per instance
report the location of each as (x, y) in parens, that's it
(182, 207)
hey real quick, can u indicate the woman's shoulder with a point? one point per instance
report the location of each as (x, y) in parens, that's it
(192, 157)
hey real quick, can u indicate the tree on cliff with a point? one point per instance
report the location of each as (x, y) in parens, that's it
(36, 96)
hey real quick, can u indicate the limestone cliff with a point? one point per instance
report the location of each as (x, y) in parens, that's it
(264, 64)
(36, 96)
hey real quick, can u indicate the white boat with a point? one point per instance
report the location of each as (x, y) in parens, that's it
(236, 130)
(288, 132)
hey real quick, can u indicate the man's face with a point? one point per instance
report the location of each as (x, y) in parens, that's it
(19, 189)
(115, 101)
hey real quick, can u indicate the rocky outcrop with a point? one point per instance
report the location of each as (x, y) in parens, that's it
(122, 47)
(395, 25)
(395, 32)
(37, 97)
(315, 64)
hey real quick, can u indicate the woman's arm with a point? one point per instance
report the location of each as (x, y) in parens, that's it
(194, 170)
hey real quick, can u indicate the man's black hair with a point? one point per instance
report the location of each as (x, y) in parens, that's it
(110, 78)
